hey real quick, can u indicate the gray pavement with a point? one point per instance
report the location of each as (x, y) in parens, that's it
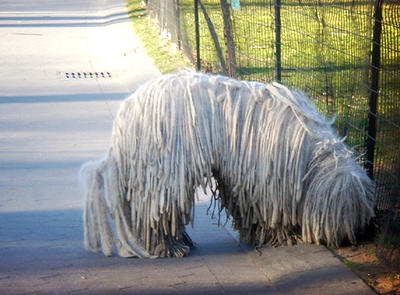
(53, 118)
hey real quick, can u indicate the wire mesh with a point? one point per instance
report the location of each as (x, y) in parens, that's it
(387, 164)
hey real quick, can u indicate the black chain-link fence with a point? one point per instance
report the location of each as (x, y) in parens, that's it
(345, 54)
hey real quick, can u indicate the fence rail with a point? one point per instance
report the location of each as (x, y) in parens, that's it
(345, 54)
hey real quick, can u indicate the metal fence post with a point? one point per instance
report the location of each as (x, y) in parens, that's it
(374, 90)
(278, 52)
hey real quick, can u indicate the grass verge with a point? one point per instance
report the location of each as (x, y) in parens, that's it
(164, 55)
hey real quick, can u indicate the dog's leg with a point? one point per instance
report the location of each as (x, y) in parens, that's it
(169, 246)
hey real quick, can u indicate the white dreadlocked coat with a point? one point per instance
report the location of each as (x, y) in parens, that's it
(282, 173)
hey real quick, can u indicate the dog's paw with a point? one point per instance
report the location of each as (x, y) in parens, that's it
(175, 248)
(171, 249)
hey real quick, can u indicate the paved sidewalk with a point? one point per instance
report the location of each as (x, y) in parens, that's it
(53, 118)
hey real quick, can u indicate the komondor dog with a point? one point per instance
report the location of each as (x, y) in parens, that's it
(280, 171)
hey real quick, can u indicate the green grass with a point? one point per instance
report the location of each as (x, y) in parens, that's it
(165, 57)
